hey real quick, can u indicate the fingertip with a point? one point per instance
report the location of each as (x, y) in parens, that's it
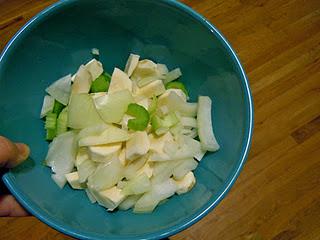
(24, 151)
(9, 207)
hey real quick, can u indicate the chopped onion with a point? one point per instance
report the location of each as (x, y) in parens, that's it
(115, 103)
(85, 169)
(62, 153)
(175, 103)
(110, 135)
(131, 64)
(132, 168)
(205, 130)
(129, 202)
(138, 185)
(60, 180)
(159, 192)
(47, 106)
(184, 167)
(61, 89)
(90, 196)
(106, 175)
(172, 75)
(82, 112)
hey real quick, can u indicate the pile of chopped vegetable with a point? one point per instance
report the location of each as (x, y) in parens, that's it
(130, 140)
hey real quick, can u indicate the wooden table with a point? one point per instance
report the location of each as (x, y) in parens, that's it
(277, 195)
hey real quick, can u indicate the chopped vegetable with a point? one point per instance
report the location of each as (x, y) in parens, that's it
(86, 169)
(163, 124)
(173, 75)
(73, 180)
(119, 81)
(106, 175)
(132, 63)
(137, 146)
(154, 88)
(82, 112)
(51, 121)
(141, 120)
(51, 125)
(159, 192)
(57, 107)
(47, 106)
(115, 103)
(62, 121)
(81, 81)
(101, 84)
(61, 154)
(60, 89)
(138, 185)
(129, 202)
(206, 135)
(128, 140)
(145, 68)
(153, 106)
(177, 85)
(186, 183)
(110, 135)
(95, 68)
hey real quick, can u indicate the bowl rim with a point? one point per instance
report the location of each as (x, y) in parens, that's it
(8, 178)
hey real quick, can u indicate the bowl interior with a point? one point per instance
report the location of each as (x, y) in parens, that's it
(57, 42)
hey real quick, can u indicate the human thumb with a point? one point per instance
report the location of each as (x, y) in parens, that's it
(11, 154)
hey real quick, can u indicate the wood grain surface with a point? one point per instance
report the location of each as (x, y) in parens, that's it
(277, 195)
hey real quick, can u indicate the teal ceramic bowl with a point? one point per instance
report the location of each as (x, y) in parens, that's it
(57, 41)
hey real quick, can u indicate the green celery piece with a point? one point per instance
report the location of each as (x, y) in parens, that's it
(141, 115)
(153, 106)
(101, 84)
(163, 123)
(156, 122)
(51, 121)
(57, 108)
(177, 85)
(51, 134)
(51, 125)
(62, 122)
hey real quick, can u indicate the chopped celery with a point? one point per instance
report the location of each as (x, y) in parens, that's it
(101, 84)
(156, 122)
(62, 122)
(51, 133)
(163, 123)
(177, 85)
(141, 115)
(57, 107)
(51, 121)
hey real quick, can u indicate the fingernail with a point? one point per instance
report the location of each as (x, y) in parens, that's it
(24, 151)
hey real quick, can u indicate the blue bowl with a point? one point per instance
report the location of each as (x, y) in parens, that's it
(57, 41)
